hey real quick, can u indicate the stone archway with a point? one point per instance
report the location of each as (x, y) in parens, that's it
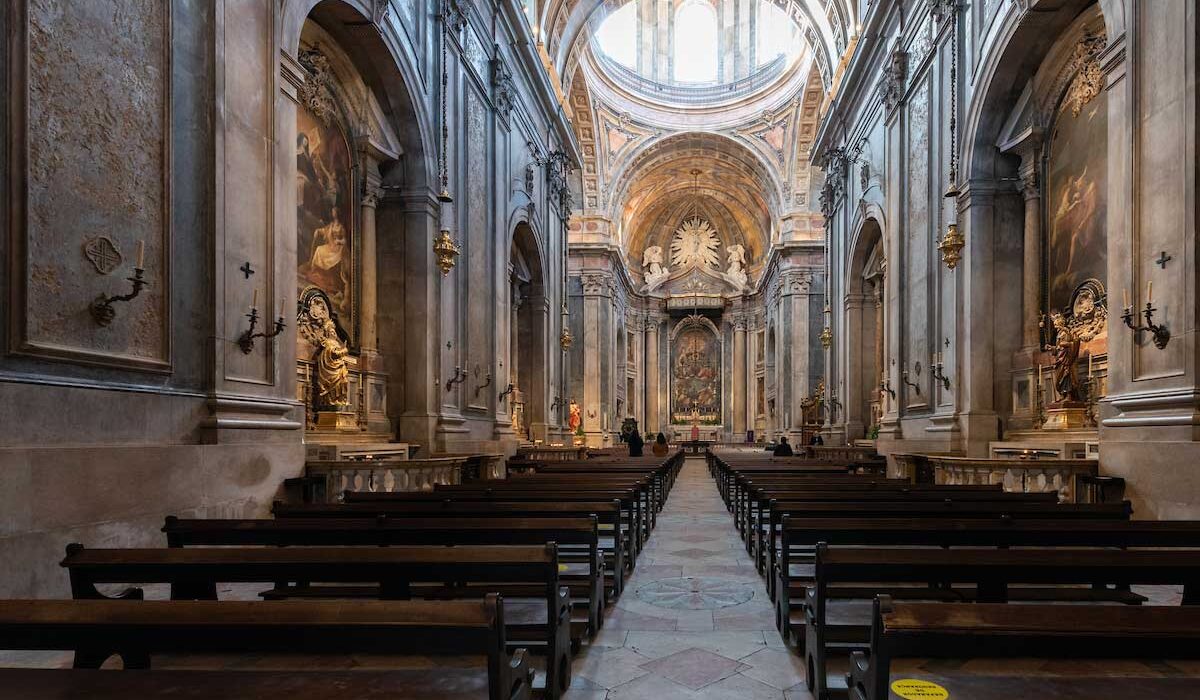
(527, 336)
(864, 313)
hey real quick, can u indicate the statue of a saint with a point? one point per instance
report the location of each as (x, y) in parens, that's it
(575, 417)
(330, 356)
(1066, 353)
(655, 271)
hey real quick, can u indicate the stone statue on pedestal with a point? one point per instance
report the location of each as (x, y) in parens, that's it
(655, 271)
(737, 266)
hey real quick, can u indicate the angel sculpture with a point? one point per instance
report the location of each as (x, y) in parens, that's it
(655, 272)
(737, 266)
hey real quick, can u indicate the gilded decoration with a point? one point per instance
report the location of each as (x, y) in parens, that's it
(695, 244)
(318, 324)
(315, 94)
(1089, 81)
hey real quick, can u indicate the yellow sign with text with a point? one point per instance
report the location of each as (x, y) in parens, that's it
(912, 689)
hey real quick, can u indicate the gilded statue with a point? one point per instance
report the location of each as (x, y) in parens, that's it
(331, 357)
(1066, 352)
(575, 417)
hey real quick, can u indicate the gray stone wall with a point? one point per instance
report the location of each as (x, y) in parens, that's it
(173, 126)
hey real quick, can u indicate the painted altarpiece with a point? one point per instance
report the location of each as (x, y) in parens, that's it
(696, 374)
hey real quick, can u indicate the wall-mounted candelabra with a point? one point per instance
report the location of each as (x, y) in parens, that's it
(885, 387)
(1162, 336)
(102, 308)
(246, 339)
(460, 376)
(935, 369)
(487, 381)
(507, 390)
(904, 377)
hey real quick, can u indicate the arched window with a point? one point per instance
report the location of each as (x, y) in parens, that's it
(696, 42)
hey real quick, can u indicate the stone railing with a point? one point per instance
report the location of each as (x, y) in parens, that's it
(544, 453)
(914, 467)
(479, 467)
(840, 453)
(1019, 475)
(387, 476)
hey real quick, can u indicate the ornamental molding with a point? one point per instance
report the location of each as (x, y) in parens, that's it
(594, 284)
(1089, 74)
(316, 94)
(891, 84)
(503, 90)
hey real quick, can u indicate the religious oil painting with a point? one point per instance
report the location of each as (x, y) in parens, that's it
(1077, 244)
(325, 214)
(696, 377)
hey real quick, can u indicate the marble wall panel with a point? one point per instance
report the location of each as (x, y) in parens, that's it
(93, 156)
(918, 225)
(477, 245)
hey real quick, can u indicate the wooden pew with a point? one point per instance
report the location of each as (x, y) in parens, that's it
(946, 509)
(640, 504)
(395, 573)
(628, 498)
(134, 630)
(613, 542)
(947, 630)
(576, 543)
(799, 538)
(860, 573)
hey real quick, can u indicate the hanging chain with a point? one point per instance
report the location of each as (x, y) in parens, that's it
(444, 195)
(954, 96)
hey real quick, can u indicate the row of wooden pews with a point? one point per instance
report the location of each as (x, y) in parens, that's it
(865, 569)
(502, 569)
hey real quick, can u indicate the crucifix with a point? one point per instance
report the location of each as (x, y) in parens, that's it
(1163, 259)
(246, 269)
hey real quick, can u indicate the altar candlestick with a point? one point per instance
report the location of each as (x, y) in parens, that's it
(141, 255)
(254, 304)
(1149, 291)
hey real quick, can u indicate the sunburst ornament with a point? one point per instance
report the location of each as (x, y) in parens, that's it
(695, 244)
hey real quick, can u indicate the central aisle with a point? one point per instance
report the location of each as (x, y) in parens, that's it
(694, 620)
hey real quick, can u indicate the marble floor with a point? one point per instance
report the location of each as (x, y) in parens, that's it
(694, 620)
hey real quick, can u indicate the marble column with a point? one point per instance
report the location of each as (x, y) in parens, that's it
(1031, 273)
(650, 372)
(370, 266)
(594, 289)
(799, 288)
(739, 379)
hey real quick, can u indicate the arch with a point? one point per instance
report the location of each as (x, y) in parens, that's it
(528, 332)
(567, 27)
(1021, 42)
(863, 311)
(387, 69)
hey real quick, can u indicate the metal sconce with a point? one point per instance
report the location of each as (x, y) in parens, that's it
(459, 377)
(1162, 336)
(904, 378)
(487, 381)
(246, 339)
(507, 390)
(886, 387)
(935, 369)
(102, 309)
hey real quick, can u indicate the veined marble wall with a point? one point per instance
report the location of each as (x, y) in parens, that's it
(171, 129)
(1015, 67)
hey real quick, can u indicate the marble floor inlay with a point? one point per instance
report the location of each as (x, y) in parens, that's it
(695, 620)
(695, 593)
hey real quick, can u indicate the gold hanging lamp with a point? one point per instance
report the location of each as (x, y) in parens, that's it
(951, 245)
(445, 248)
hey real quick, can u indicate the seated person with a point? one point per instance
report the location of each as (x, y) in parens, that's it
(660, 446)
(817, 440)
(783, 449)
